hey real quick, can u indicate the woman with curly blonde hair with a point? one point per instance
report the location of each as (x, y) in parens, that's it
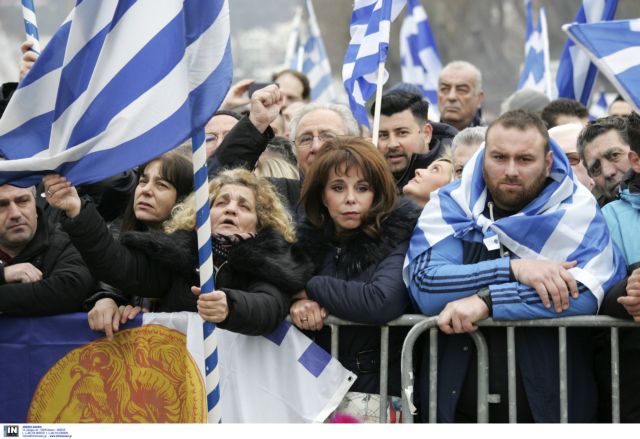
(257, 269)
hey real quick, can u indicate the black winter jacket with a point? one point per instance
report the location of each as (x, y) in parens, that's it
(259, 277)
(361, 281)
(65, 283)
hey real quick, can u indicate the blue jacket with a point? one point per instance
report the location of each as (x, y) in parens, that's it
(473, 267)
(623, 220)
(361, 281)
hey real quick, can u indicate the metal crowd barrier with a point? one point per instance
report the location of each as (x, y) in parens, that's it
(421, 323)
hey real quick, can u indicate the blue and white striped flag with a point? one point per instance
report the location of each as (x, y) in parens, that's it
(312, 60)
(535, 71)
(419, 55)
(563, 223)
(614, 47)
(599, 107)
(370, 25)
(120, 82)
(576, 74)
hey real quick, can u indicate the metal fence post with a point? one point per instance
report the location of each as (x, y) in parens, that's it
(384, 372)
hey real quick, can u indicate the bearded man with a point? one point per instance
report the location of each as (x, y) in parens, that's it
(515, 239)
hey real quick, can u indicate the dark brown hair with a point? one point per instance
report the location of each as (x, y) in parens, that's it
(341, 155)
(177, 169)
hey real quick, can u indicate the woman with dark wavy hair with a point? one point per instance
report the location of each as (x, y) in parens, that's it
(357, 231)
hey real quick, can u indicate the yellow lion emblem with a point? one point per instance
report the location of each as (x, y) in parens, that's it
(145, 374)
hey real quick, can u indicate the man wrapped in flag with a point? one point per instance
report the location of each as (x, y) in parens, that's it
(515, 239)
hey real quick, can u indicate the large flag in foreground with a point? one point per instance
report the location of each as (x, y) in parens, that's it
(311, 57)
(614, 47)
(535, 71)
(370, 25)
(120, 82)
(55, 369)
(576, 74)
(420, 59)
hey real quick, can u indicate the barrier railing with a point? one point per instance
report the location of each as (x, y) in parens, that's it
(421, 323)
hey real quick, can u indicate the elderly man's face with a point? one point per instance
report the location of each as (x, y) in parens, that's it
(314, 129)
(607, 160)
(515, 166)
(18, 218)
(458, 97)
(215, 130)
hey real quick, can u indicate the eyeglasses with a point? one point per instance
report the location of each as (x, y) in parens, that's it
(306, 140)
(574, 158)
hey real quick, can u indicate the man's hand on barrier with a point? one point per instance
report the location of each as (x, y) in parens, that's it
(631, 301)
(461, 315)
(307, 315)
(551, 280)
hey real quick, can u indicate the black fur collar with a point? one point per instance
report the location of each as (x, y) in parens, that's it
(268, 256)
(362, 250)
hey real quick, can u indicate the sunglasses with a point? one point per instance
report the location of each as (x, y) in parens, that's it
(574, 158)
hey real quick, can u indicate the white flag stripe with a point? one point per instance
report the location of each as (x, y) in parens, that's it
(623, 60)
(28, 15)
(96, 13)
(125, 46)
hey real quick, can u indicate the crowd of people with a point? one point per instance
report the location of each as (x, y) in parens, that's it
(529, 216)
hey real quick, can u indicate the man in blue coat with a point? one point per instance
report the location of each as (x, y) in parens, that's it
(515, 239)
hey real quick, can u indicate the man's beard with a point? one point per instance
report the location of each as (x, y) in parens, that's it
(514, 201)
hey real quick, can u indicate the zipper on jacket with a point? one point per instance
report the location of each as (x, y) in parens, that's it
(503, 252)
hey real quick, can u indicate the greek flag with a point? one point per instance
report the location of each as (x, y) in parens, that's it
(576, 74)
(120, 82)
(563, 223)
(370, 25)
(600, 107)
(52, 366)
(311, 59)
(420, 59)
(614, 47)
(535, 71)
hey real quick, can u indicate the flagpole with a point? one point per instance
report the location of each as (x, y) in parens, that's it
(376, 110)
(31, 25)
(547, 67)
(203, 228)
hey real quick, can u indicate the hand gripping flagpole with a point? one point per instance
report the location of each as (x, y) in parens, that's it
(30, 24)
(203, 227)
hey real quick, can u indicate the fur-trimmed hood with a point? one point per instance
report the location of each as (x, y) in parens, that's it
(268, 257)
(363, 250)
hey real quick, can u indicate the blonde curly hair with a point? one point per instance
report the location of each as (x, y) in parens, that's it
(270, 211)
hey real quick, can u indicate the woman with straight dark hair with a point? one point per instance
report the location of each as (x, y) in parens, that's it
(357, 232)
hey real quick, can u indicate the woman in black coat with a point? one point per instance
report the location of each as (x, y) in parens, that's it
(357, 232)
(257, 268)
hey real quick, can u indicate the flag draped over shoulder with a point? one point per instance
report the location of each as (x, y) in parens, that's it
(563, 223)
(420, 59)
(370, 26)
(120, 83)
(576, 75)
(311, 58)
(535, 71)
(55, 369)
(614, 47)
